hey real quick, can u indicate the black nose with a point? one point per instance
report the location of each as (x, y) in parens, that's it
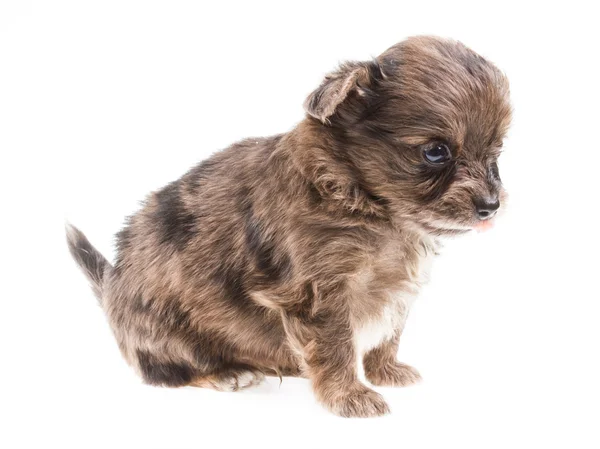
(486, 208)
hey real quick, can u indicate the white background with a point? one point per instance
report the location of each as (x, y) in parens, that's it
(102, 102)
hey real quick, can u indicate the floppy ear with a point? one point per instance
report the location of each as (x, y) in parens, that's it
(335, 88)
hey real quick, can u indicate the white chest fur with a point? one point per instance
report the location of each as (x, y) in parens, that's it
(391, 319)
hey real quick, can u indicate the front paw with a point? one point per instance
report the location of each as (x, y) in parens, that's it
(393, 374)
(357, 401)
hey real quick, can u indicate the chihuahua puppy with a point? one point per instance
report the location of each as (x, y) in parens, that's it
(300, 254)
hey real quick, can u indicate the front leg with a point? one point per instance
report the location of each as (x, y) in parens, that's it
(328, 355)
(382, 368)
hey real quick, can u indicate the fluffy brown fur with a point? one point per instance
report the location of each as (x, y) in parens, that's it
(299, 254)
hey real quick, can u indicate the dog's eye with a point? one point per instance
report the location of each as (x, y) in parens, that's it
(438, 154)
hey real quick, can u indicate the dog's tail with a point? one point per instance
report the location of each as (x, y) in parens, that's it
(93, 264)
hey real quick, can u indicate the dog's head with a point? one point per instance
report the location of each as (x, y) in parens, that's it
(421, 126)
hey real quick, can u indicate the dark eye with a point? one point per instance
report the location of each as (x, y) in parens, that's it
(439, 154)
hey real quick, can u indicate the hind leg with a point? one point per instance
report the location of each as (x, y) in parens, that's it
(233, 378)
(164, 373)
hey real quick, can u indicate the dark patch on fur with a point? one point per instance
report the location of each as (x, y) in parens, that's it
(315, 198)
(124, 241)
(231, 281)
(436, 182)
(168, 311)
(169, 374)
(123, 238)
(172, 314)
(303, 309)
(273, 265)
(177, 224)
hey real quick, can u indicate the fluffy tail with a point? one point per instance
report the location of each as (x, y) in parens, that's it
(92, 263)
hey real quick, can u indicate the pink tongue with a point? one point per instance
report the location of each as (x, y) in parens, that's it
(485, 225)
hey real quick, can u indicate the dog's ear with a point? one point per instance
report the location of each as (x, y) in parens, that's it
(336, 87)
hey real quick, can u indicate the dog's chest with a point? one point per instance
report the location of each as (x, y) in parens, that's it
(391, 289)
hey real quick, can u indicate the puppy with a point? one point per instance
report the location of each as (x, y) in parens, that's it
(300, 254)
